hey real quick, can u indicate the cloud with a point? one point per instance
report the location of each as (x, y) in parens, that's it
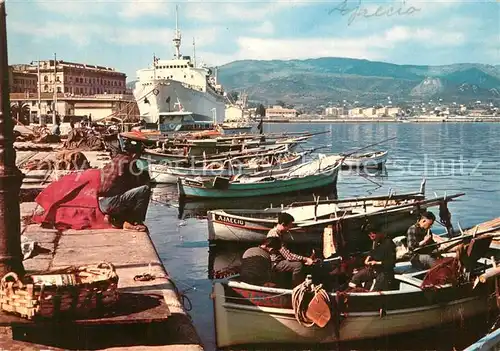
(140, 8)
(75, 8)
(83, 34)
(286, 49)
(371, 47)
(266, 27)
(427, 36)
(239, 11)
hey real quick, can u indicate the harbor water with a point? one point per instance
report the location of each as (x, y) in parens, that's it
(453, 158)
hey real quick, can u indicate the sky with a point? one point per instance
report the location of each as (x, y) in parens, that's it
(125, 34)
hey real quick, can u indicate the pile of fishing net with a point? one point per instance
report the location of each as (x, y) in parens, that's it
(37, 134)
(63, 160)
(84, 139)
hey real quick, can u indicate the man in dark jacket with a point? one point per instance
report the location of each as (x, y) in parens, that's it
(379, 264)
(256, 266)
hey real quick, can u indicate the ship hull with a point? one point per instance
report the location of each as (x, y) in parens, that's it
(164, 96)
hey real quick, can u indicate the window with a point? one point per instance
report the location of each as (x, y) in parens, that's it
(45, 87)
(45, 78)
(59, 90)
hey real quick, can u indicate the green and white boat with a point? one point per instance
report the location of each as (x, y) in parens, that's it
(309, 176)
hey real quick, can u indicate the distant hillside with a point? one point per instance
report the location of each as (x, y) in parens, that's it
(328, 80)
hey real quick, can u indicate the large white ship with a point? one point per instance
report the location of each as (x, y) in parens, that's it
(176, 95)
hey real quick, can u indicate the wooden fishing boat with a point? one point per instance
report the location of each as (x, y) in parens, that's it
(167, 174)
(248, 314)
(375, 159)
(457, 290)
(290, 182)
(394, 213)
(159, 156)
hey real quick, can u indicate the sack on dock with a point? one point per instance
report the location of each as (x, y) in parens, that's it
(72, 292)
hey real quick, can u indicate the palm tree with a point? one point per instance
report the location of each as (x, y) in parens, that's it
(21, 112)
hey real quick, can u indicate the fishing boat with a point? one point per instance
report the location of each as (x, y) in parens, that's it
(394, 213)
(176, 155)
(375, 159)
(166, 174)
(297, 179)
(248, 314)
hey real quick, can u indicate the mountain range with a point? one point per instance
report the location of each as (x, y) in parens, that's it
(325, 81)
(320, 82)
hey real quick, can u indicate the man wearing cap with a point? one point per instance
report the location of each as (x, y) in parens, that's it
(124, 191)
(379, 264)
(418, 236)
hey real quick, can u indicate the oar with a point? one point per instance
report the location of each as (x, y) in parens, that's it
(366, 147)
(388, 209)
(458, 239)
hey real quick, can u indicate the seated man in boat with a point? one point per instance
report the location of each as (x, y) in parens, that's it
(379, 264)
(256, 266)
(124, 191)
(283, 260)
(420, 235)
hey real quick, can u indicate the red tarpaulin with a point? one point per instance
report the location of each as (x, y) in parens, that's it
(72, 203)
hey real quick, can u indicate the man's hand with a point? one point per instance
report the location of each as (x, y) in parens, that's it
(427, 239)
(309, 261)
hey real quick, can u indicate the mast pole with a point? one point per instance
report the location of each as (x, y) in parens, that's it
(54, 115)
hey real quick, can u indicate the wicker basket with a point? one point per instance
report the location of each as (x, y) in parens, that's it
(72, 292)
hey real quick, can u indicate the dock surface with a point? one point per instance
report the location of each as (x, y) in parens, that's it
(149, 314)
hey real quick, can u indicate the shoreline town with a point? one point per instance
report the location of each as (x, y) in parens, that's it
(80, 154)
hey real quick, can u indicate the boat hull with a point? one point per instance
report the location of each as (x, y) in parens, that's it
(375, 162)
(272, 187)
(222, 227)
(168, 175)
(246, 314)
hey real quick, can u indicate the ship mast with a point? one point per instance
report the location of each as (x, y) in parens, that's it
(194, 53)
(177, 36)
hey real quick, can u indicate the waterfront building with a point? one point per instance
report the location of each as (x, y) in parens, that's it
(370, 112)
(73, 78)
(22, 82)
(233, 113)
(355, 112)
(335, 111)
(122, 106)
(278, 111)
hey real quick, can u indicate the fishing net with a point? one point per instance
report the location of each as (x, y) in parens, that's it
(444, 271)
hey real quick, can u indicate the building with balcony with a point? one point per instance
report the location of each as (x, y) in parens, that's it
(74, 78)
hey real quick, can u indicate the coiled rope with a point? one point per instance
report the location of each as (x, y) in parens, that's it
(300, 304)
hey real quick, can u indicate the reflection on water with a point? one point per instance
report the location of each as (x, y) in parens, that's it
(168, 196)
(452, 157)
